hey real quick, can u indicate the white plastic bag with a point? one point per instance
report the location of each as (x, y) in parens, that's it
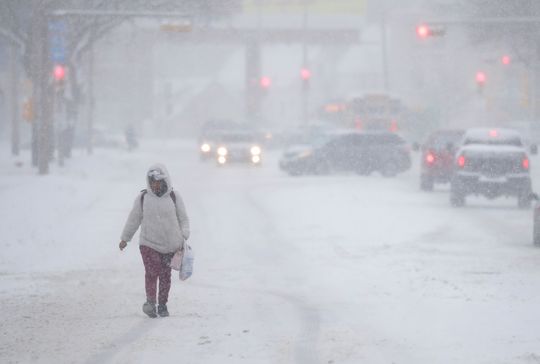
(186, 268)
(176, 260)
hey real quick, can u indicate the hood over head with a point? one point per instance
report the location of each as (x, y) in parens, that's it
(159, 172)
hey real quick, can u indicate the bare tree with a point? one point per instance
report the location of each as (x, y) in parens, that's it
(26, 23)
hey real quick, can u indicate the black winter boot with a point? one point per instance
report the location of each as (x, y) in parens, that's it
(162, 310)
(149, 308)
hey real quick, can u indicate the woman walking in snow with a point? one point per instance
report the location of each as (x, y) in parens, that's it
(164, 228)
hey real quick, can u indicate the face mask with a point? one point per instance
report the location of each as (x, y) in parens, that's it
(156, 175)
(160, 189)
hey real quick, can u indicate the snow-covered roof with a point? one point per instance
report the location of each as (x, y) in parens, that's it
(484, 148)
(491, 133)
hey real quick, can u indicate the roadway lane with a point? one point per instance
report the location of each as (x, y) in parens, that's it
(333, 269)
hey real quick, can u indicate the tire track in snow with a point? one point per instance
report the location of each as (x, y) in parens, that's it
(122, 342)
(309, 317)
(304, 351)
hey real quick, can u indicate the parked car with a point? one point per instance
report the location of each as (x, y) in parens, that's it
(491, 163)
(437, 157)
(238, 146)
(359, 152)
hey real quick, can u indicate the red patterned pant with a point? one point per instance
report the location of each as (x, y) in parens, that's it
(156, 266)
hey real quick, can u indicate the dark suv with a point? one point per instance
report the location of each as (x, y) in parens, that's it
(360, 152)
(437, 157)
(491, 163)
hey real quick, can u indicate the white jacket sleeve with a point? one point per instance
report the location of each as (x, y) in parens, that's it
(134, 220)
(183, 219)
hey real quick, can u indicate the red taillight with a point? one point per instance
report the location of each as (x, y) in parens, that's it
(358, 123)
(461, 161)
(525, 163)
(430, 158)
(393, 126)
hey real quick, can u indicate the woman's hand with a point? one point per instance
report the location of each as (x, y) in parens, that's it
(122, 244)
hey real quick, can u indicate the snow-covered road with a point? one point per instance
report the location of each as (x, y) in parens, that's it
(333, 269)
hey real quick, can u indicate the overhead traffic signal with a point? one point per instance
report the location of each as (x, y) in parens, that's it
(264, 85)
(265, 82)
(505, 60)
(480, 78)
(28, 110)
(305, 74)
(59, 73)
(424, 31)
(480, 81)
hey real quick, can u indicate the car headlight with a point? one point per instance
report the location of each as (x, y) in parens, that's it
(255, 159)
(205, 147)
(222, 151)
(255, 150)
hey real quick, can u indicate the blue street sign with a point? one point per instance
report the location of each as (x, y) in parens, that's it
(57, 41)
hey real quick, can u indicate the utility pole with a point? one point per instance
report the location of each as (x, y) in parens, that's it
(91, 103)
(253, 92)
(384, 53)
(15, 109)
(305, 83)
(44, 92)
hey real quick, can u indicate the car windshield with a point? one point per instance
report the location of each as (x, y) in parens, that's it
(317, 140)
(237, 138)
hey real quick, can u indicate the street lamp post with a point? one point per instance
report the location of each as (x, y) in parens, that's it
(14, 68)
(305, 90)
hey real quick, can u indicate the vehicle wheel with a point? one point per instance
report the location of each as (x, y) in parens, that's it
(389, 169)
(536, 232)
(294, 172)
(523, 200)
(457, 198)
(362, 171)
(322, 168)
(426, 183)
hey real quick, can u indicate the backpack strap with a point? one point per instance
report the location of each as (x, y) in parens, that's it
(143, 192)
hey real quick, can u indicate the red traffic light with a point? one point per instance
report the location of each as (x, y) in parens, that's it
(59, 72)
(480, 77)
(305, 74)
(423, 31)
(505, 60)
(265, 81)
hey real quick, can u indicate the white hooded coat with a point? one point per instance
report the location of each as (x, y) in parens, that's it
(164, 224)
